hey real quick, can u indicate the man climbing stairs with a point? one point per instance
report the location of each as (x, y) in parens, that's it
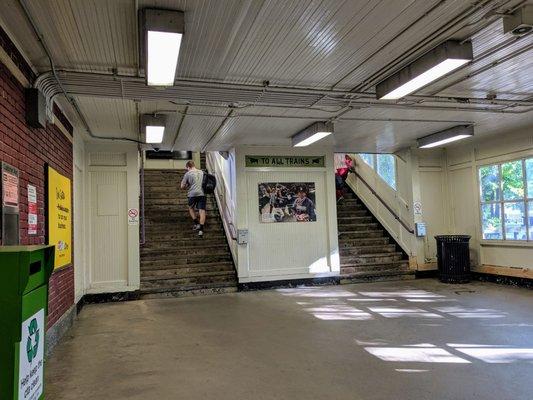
(174, 262)
(367, 253)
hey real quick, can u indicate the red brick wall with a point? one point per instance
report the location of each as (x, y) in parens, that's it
(29, 149)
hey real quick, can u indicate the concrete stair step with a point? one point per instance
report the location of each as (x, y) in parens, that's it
(176, 271)
(193, 241)
(185, 259)
(170, 194)
(185, 234)
(363, 241)
(358, 227)
(150, 208)
(348, 202)
(366, 259)
(148, 252)
(364, 250)
(213, 264)
(187, 274)
(401, 265)
(175, 283)
(371, 276)
(351, 213)
(181, 216)
(347, 221)
(374, 233)
(349, 207)
(170, 228)
(174, 202)
(189, 291)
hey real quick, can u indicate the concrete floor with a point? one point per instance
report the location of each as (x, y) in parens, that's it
(400, 340)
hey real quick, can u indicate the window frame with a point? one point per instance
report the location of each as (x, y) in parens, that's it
(374, 166)
(525, 200)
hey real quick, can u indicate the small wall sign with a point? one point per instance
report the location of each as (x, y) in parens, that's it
(285, 161)
(133, 216)
(417, 208)
(32, 210)
(10, 186)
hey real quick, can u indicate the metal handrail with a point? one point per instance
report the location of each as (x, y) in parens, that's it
(396, 216)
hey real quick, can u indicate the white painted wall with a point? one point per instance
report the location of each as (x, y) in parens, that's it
(462, 163)
(279, 251)
(223, 167)
(111, 188)
(80, 246)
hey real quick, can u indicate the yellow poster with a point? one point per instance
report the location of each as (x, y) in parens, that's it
(60, 217)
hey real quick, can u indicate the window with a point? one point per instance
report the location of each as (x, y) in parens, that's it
(506, 192)
(387, 169)
(368, 158)
(385, 166)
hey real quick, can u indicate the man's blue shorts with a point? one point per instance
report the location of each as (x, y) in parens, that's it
(197, 202)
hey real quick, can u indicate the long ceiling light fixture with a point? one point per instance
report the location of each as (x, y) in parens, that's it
(433, 65)
(313, 133)
(161, 36)
(153, 128)
(446, 136)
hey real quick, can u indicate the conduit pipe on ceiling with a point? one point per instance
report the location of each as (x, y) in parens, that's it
(184, 113)
(284, 116)
(226, 119)
(100, 87)
(70, 99)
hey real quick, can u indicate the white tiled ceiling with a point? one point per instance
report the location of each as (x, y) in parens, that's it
(326, 44)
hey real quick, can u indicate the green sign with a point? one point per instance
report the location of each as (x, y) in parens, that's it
(285, 161)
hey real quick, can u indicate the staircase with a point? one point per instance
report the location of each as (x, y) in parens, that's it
(367, 253)
(174, 261)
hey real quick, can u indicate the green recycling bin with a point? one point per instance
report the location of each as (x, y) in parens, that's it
(24, 274)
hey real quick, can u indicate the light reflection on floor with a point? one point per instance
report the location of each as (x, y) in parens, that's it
(343, 305)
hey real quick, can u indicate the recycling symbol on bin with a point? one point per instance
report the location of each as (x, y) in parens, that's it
(32, 345)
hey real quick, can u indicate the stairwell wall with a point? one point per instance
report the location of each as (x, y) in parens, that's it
(281, 251)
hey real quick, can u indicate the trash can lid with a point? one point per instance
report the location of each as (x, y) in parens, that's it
(453, 238)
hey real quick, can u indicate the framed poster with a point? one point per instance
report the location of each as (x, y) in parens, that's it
(59, 221)
(287, 202)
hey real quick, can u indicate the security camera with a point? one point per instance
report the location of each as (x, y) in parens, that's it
(520, 22)
(156, 148)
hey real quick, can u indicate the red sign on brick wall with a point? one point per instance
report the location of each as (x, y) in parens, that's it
(10, 188)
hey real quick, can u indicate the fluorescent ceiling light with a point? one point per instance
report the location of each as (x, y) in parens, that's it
(163, 52)
(446, 136)
(162, 33)
(425, 78)
(315, 138)
(153, 127)
(433, 65)
(154, 134)
(313, 133)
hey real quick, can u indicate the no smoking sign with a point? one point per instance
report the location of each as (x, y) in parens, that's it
(133, 216)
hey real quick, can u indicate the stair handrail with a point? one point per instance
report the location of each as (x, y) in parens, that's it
(396, 216)
(220, 196)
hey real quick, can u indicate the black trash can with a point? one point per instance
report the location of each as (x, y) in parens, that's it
(453, 256)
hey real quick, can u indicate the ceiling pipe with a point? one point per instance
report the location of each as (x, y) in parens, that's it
(203, 92)
(226, 119)
(184, 113)
(70, 99)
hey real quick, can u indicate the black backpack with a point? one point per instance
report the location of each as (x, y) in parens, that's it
(209, 183)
